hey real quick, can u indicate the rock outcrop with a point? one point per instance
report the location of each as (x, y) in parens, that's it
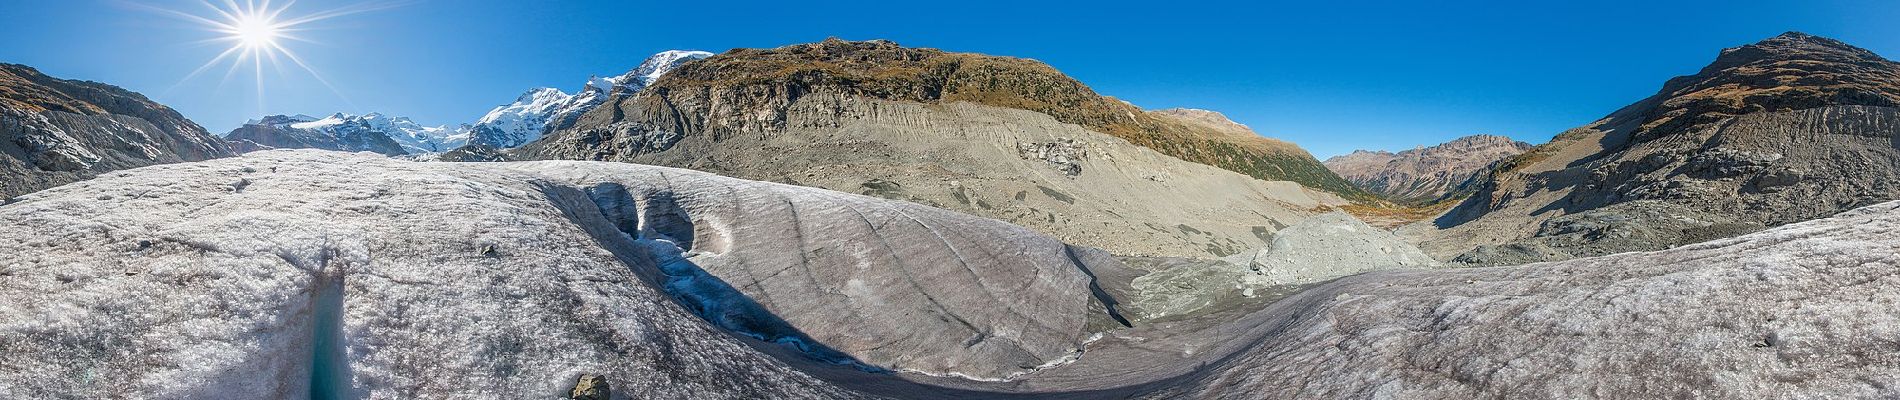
(1792, 128)
(294, 274)
(55, 131)
(1425, 174)
(1004, 138)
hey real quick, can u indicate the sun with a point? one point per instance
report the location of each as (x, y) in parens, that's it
(255, 31)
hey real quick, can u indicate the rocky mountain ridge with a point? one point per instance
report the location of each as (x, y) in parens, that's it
(506, 126)
(542, 109)
(834, 126)
(1788, 129)
(1425, 174)
(56, 131)
(746, 92)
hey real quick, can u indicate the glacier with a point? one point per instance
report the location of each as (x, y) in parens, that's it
(303, 273)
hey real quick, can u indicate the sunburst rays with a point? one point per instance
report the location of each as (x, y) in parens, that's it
(256, 32)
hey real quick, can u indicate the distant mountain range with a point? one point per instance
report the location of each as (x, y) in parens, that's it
(371, 132)
(1425, 174)
(505, 126)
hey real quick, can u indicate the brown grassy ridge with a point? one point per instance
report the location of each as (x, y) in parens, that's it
(20, 88)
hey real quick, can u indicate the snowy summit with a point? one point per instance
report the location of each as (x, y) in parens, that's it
(531, 114)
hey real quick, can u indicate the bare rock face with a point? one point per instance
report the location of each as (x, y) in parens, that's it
(1792, 128)
(55, 131)
(1427, 173)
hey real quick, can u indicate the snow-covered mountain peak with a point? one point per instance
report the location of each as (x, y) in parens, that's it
(601, 83)
(531, 114)
(658, 65)
(280, 120)
(413, 137)
(541, 95)
(311, 123)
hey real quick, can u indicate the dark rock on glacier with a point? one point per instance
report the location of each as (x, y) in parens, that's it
(591, 387)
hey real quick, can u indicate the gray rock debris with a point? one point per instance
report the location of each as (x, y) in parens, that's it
(1328, 246)
(1064, 153)
(1316, 249)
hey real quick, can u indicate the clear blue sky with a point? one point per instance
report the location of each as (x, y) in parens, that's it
(1329, 77)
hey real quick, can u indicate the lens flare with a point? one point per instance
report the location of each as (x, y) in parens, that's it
(256, 32)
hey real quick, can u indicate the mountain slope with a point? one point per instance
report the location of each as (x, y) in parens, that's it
(1791, 128)
(233, 278)
(837, 129)
(1427, 173)
(55, 131)
(539, 110)
(745, 91)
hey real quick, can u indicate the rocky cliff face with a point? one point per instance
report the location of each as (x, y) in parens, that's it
(1792, 128)
(55, 131)
(1427, 173)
